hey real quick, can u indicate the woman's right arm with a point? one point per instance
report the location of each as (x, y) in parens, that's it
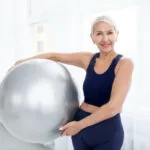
(79, 59)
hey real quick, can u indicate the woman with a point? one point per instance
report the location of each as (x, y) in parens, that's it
(97, 124)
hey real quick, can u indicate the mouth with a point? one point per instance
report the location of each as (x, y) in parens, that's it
(105, 45)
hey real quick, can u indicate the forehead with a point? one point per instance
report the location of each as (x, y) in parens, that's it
(103, 26)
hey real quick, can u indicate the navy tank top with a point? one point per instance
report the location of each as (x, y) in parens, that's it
(97, 87)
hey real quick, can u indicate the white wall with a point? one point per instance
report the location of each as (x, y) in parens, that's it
(6, 36)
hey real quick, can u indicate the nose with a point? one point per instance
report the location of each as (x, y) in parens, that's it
(105, 38)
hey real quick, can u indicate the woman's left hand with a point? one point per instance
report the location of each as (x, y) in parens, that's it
(71, 128)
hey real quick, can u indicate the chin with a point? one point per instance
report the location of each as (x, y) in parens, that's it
(106, 50)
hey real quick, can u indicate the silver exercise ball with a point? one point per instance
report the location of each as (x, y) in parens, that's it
(8, 142)
(36, 98)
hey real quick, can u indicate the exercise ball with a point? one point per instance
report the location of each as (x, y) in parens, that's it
(36, 98)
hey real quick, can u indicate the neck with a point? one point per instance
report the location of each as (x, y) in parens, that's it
(107, 55)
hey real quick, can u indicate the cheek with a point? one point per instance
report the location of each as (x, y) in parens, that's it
(99, 39)
(113, 39)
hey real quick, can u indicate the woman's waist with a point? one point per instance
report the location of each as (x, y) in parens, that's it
(88, 107)
(91, 107)
(112, 121)
(95, 102)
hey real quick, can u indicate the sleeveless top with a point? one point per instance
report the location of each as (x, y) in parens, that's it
(97, 87)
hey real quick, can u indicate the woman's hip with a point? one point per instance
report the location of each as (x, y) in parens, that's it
(101, 131)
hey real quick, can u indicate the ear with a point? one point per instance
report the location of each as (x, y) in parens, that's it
(91, 35)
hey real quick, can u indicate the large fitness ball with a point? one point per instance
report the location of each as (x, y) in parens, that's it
(36, 98)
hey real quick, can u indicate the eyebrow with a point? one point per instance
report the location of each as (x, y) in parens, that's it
(110, 30)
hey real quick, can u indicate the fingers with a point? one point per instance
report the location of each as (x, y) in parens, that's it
(10, 68)
(64, 127)
(65, 133)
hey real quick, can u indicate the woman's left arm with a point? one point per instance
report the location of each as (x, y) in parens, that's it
(120, 88)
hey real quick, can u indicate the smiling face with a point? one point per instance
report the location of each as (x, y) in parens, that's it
(104, 36)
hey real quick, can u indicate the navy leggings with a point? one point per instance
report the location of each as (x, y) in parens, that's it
(106, 135)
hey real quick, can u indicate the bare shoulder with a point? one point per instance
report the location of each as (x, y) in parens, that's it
(126, 61)
(125, 64)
